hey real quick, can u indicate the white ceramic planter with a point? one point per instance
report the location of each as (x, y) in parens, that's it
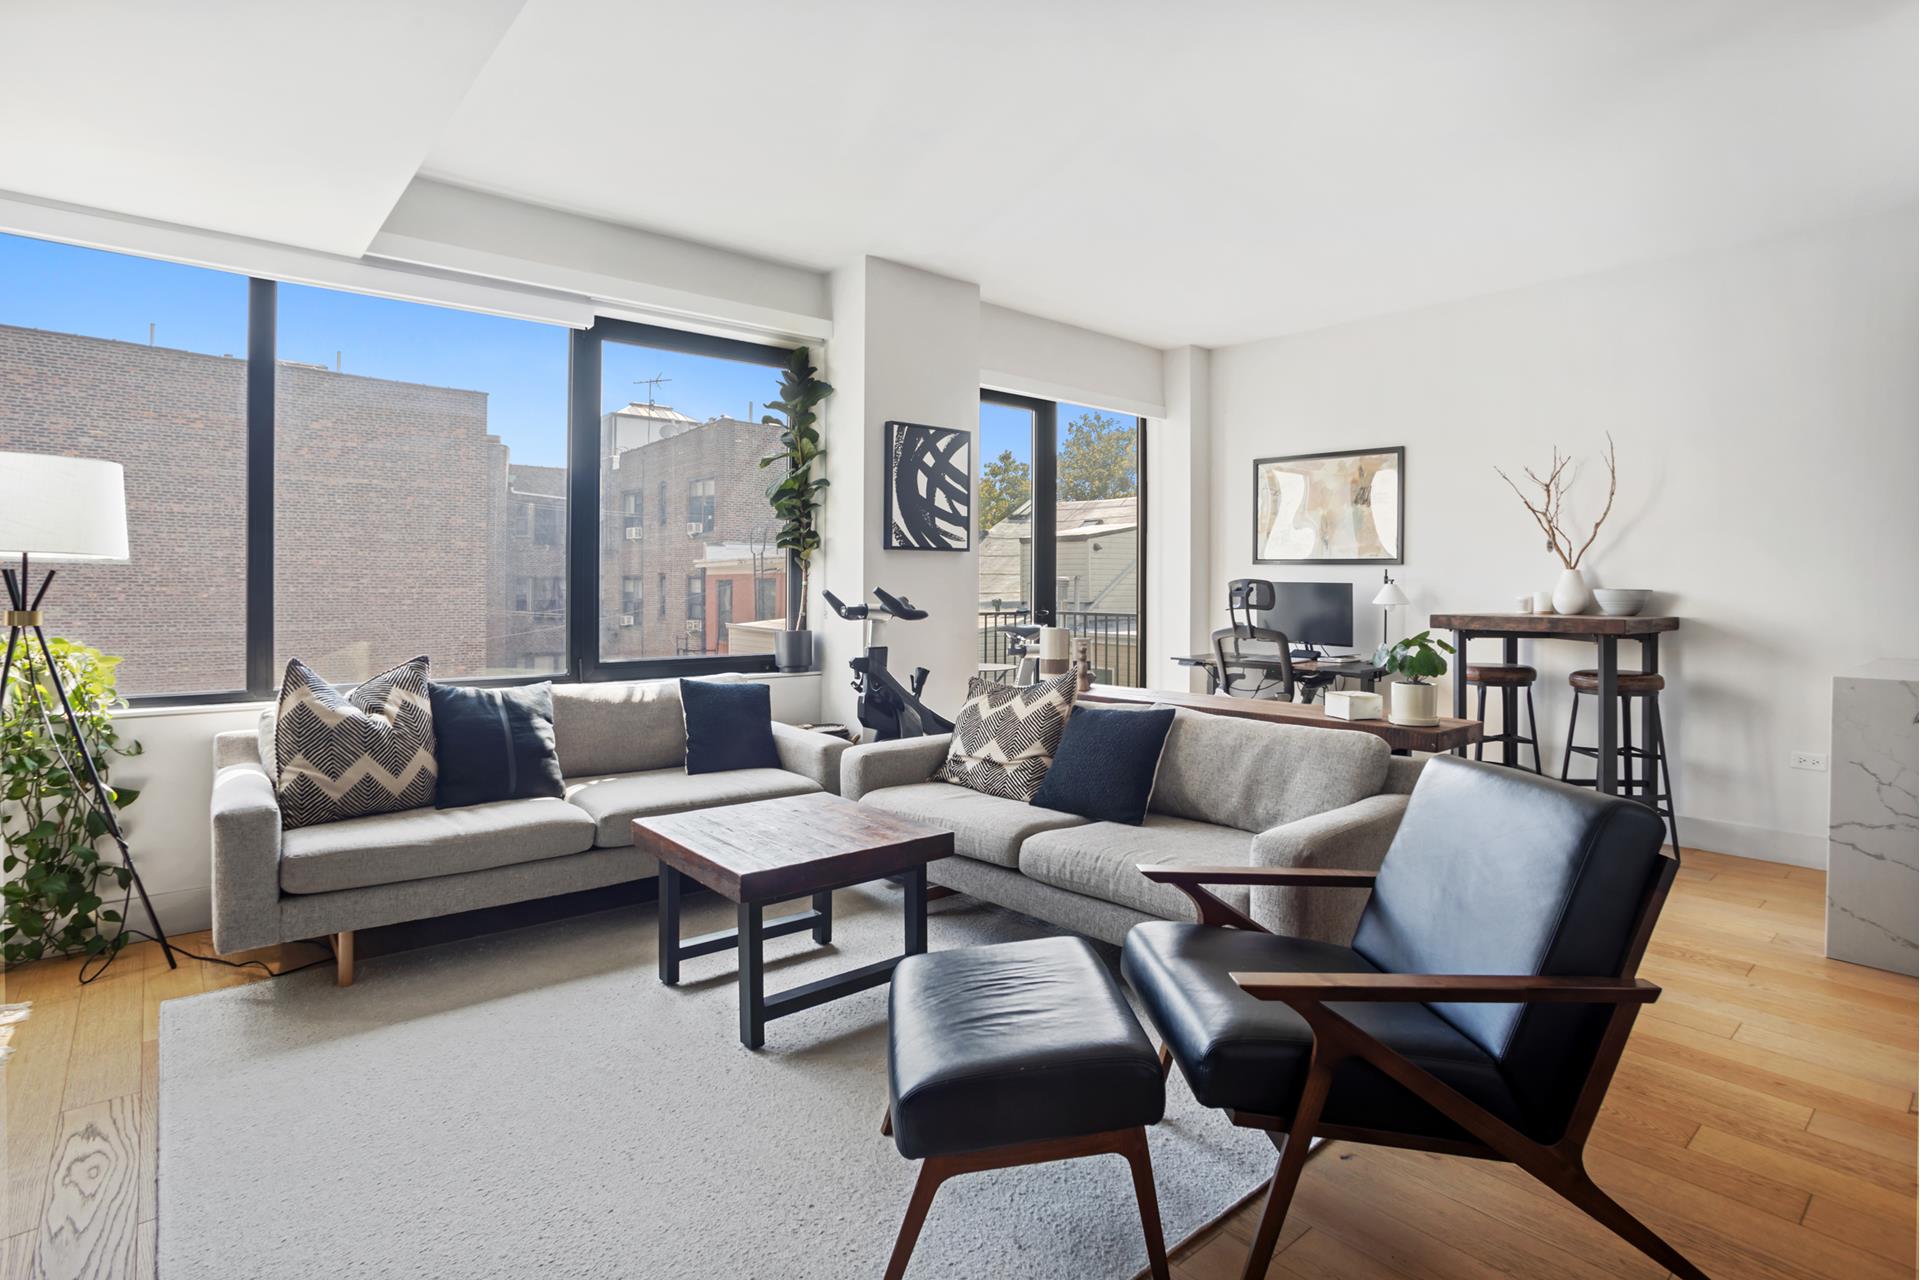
(1570, 594)
(1414, 704)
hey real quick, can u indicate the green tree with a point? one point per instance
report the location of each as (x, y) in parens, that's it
(1097, 459)
(1006, 485)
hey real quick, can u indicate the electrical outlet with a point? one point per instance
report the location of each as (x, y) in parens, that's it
(1813, 760)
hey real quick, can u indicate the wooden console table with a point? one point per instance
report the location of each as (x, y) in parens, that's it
(1603, 632)
(1450, 733)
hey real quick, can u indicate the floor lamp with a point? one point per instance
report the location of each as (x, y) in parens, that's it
(57, 508)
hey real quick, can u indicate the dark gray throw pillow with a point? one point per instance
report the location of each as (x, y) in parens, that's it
(494, 744)
(729, 726)
(1106, 762)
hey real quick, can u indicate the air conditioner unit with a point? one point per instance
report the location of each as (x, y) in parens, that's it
(629, 619)
(695, 528)
(634, 533)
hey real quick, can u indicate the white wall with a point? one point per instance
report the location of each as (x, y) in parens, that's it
(1055, 361)
(1179, 547)
(906, 348)
(168, 827)
(1763, 402)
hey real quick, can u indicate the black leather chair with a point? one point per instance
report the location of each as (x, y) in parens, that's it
(1480, 1010)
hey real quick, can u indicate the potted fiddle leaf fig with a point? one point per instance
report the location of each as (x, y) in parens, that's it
(795, 494)
(1414, 699)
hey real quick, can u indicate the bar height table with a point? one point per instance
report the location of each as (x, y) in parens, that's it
(1602, 631)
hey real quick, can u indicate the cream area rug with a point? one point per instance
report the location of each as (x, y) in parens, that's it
(535, 1103)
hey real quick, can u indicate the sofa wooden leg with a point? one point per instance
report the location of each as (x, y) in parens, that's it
(886, 1122)
(343, 958)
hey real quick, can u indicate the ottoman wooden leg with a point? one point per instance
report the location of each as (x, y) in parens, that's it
(933, 1172)
(1130, 1143)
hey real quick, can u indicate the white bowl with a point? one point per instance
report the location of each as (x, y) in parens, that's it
(1619, 602)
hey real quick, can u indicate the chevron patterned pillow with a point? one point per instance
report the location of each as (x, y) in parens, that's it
(1005, 736)
(370, 751)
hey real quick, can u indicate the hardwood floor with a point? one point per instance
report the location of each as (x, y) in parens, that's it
(1763, 1120)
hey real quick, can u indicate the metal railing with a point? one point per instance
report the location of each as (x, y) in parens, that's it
(1114, 636)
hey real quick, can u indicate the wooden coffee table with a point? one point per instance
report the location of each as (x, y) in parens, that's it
(769, 851)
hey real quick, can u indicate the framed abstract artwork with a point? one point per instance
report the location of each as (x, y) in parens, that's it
(1331, 508)
(929, 488)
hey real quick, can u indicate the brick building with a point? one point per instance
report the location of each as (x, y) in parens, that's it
(401, 524)
(686, 534)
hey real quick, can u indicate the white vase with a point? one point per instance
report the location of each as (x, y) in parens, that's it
(1414, 704)
(1570, 594)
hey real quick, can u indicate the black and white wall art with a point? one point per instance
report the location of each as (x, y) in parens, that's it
(929, 487)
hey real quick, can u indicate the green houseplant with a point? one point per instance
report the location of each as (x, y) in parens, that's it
(50, 901)
(1417, 661)
(795, 494)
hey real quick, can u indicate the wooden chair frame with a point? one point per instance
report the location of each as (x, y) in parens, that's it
(934, 1170)
(1561, 1165)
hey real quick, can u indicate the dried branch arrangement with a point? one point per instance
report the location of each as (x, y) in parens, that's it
(1549, 511)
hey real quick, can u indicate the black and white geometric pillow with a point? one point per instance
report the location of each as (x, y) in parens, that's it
(1005, 736)
(347, 757)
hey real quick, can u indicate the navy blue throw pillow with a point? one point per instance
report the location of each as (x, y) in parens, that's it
(729, 726)
(493, 744)
(1105, 765)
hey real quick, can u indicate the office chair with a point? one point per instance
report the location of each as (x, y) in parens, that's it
(1245, 639)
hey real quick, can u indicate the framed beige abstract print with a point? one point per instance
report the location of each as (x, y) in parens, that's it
(1331, 508)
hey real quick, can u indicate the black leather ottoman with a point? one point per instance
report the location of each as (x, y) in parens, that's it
(1017, 1054)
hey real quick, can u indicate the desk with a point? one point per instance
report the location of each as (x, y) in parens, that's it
(1404, 739)
(1361, 669)
(1603, 632)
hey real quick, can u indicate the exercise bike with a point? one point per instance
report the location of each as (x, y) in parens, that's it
(889, 708)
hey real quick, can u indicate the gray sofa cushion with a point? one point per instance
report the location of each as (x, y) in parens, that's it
(1102, 860)
(988, 828)
(1245, 774)
(618, 728)
(418, 843)
(613, 803)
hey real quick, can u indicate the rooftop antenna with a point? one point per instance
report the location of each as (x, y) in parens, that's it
(336, 362)
(651, 384)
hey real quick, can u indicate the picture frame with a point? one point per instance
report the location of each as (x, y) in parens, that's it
(1330, 508)
(927, 481)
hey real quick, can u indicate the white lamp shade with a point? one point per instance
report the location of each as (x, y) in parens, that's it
(1391, 594)
(57, 508)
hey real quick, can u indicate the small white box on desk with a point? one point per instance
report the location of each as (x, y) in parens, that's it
(1351, 704)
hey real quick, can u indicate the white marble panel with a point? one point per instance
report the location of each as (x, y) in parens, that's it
(1873, 889)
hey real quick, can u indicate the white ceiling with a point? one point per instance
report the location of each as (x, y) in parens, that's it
(1206, 173)
(295, 123)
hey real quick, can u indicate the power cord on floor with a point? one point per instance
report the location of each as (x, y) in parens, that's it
(90, 975)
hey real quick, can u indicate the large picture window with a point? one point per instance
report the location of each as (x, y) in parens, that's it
(145, 364)
(419, 488)
(679, 427)
(353, 480)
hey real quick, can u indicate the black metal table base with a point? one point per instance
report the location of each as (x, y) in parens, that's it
(750, 933)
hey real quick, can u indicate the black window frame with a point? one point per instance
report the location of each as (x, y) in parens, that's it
(579, 532)
(583, 494)
(1045, 475)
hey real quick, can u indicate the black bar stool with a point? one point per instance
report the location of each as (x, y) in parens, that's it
(1639, 781)
(1509, 678)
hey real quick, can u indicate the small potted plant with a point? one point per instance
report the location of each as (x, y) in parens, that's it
(796, 493)
(1417, 661)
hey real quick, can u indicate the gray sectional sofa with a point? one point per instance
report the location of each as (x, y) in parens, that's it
(622, 750)
(1229, 792)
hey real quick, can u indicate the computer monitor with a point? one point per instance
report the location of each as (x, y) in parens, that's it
(1315, 613)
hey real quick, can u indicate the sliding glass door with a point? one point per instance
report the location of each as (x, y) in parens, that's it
(1060, 496)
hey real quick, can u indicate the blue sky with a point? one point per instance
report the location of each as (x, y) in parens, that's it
(521, 366)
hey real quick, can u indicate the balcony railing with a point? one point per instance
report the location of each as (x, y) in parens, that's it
(1114, 639)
